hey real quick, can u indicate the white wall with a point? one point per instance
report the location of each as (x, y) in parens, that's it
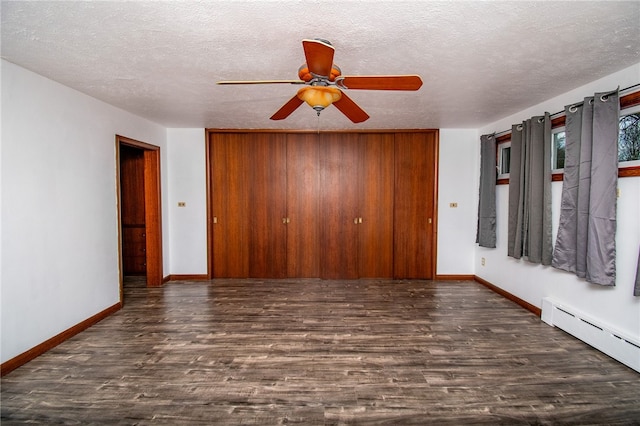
(188, 225)
(457, 183)
(614, 306)
(59, 216)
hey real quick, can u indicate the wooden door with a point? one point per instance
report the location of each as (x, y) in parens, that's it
(414, 205)
(230, 205)
(140, 213)
(339, 207)
(376, 186)
(303, 201)
(267, 211)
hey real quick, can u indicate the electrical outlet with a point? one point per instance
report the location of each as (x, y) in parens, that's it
(482, 261)
(182, 204)
(453, 205)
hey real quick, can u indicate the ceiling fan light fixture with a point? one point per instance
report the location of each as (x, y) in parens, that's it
(319, 97)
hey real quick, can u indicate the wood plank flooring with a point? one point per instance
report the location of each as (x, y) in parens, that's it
(314, 352)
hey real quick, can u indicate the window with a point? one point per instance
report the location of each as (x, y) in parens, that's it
(557, 148)
(628, 141)
(629, 137)
(504, 160)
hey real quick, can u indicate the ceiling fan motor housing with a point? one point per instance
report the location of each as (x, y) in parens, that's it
(306, 75)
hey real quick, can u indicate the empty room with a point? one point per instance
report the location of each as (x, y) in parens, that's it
(320, 212)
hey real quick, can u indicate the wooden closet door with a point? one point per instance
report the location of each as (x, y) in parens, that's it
(339, 208)
(230, 205)
(414, 202)
(303, 200)
(376, 186)
(267, 181)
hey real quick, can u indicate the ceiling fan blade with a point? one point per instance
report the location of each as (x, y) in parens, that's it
(349, 108)
(287, 108)
(319, 56)
(380, 82)
(262, 82)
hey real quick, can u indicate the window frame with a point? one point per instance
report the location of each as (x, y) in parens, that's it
(555, 131)
(499, 161)
(635, 109)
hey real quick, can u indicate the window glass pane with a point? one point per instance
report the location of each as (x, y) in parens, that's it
(629, 138)
(505, 160)
(558, 150)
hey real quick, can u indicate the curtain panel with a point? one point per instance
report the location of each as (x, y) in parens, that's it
(529, 226)
(585, 244)
(486, 231)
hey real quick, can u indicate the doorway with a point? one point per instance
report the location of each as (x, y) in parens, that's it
(139, 212)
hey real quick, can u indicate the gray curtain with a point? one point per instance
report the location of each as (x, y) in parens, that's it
(529, 227)
(586, 241)
(486, 232)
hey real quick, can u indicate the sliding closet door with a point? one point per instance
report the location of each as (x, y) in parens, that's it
(330, 205)
(375, 181)
(414, 195)
(230, 204)
(303, 201)
(339, 165)
(267, 209)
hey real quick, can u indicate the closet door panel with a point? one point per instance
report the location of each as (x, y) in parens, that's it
(376, 206)
(303, 200)
(340, 160)
(230, 205)
(267, 181)
(415, 168)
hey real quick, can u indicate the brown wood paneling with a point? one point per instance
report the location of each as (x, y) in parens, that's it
(267, 185)
(230, 205)
(134, 250)
(132, 210)
(339, 208)
(376, 186)
(131, 185)
(303, 198)
(414, 203)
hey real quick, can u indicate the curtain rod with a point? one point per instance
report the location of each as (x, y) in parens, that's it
(626, 89)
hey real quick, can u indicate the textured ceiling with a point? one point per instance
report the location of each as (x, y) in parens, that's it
(480, 61)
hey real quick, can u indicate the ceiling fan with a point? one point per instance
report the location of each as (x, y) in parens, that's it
(324, 83)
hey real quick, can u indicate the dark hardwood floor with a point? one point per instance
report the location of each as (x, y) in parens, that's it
(316, 352)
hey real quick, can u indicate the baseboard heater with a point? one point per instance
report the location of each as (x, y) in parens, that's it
(617, 345)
